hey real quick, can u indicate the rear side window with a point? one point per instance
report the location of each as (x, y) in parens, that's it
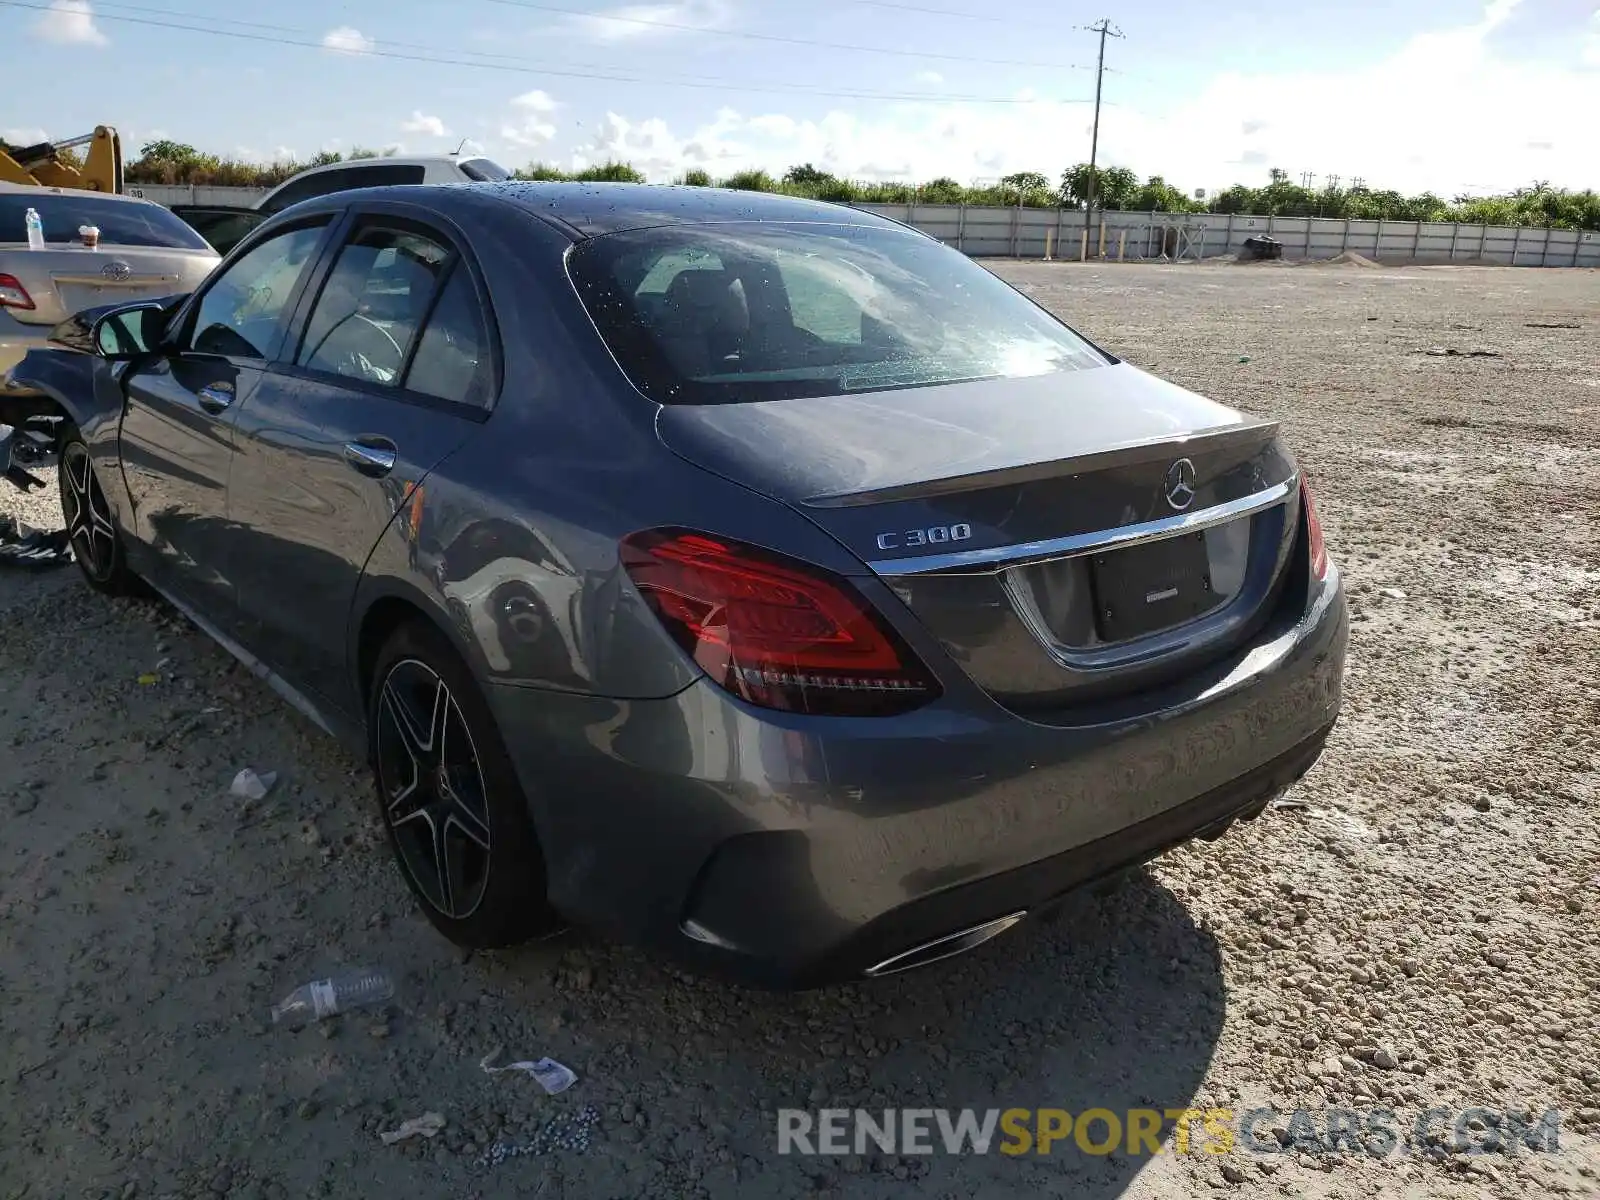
(452, 359)
(121, 222)
(711, 314)
(324, 183)
(373, 304)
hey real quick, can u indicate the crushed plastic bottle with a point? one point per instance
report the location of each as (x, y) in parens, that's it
(35, 229)
(325, 997)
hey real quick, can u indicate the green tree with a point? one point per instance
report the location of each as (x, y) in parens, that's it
(696, 177)
(610, 172)
(540, 172)
(751, 181)
(1027, 187)
(806, 175)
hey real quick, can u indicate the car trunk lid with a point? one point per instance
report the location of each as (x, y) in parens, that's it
(1067, 536)
(62, 281)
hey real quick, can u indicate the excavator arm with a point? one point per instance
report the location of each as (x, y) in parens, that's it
(45, 164)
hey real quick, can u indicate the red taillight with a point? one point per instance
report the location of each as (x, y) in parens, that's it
(13, 294)
(1319, 551)
(776, 632)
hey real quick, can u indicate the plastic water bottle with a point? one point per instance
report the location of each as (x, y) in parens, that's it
(324, 997)
(35, 229)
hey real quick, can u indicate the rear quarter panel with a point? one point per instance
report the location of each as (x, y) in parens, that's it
(567, 464)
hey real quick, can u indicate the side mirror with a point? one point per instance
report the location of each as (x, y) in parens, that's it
(126, 333)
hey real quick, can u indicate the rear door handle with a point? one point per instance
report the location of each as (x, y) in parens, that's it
(215, 397)
(372, 458)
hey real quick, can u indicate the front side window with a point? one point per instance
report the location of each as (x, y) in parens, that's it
(241, 313)
(373, 304)
(735, 312)
(121, 222)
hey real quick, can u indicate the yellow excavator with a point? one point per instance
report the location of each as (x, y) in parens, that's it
(48, 164)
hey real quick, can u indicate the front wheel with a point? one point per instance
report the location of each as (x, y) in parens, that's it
(96, 542)
(457, 820)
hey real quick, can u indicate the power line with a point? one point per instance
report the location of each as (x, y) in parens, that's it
(303, 31)
(1105, 29)
(749, 35)
(938, 12)
(557, 72)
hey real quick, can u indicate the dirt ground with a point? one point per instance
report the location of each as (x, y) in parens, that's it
(1419, 926)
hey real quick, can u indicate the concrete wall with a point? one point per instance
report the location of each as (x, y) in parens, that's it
(1026, 232)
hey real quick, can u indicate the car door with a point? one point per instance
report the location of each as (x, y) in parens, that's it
(392, 369)
(177, 437)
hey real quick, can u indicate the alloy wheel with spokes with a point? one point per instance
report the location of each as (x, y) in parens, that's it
(88, 516)
(97, 544)
(432, 787)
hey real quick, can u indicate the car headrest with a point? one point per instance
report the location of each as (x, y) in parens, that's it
(707, 300)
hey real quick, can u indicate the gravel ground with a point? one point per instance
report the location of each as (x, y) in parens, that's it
(1418, 926)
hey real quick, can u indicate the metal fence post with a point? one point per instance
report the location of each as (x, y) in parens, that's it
(1228, 248)
(1016, 229)
(1377, 242)
(1416, 242)
(961, 227)
(1577, 245)
(1344, 243)
(1516, 244)
(1455, 236)
(1483, 239)
(1544, 248)
(1059, 212)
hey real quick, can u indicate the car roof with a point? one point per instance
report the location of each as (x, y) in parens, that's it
(585, 210)
(14, 189)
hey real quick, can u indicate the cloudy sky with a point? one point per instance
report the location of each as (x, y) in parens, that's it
(1448, 95)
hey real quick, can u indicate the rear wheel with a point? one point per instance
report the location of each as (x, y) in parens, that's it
(455, 813)
(95, 539)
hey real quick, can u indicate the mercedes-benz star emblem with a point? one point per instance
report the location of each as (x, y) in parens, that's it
(1180, 484)
(116, 269)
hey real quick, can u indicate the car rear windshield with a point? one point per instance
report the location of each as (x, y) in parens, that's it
(707, 314)
(120, 222)
(484, 170)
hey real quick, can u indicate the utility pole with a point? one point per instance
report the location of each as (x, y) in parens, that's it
(1105, 29)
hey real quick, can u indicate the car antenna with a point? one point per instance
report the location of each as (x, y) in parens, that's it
(456, 153)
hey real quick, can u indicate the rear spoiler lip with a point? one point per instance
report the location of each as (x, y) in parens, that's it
(1255, 432)
(1001, 558)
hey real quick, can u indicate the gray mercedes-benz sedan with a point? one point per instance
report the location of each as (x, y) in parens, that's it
(754, 578)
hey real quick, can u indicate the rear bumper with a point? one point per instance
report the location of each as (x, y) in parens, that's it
(793, 851)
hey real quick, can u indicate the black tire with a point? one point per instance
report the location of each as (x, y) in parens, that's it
(96, 541)
(467, 849)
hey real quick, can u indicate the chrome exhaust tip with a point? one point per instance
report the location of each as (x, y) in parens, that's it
(948, 946)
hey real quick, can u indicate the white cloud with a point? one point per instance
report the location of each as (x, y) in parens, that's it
(420, 122)
(70, 22)
(279, 154)
(530, 124)
(635, 21)
(929, 77)
(347, 40)
(1510, 122)
(18, 136)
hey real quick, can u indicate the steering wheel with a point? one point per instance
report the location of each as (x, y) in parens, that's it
(364, 356)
